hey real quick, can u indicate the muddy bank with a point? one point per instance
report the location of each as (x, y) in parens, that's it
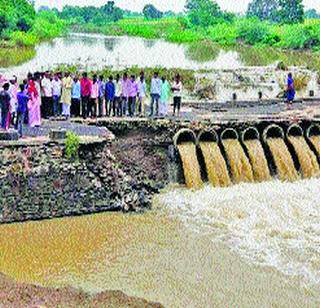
(14, 294)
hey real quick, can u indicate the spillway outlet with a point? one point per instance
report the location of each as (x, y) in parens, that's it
(295, 130)
(229, 133)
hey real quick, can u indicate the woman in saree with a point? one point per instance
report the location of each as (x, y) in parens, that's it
(290, 89)
(34, 112)
(164, 98)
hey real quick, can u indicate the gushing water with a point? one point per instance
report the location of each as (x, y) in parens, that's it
(239, 163)
(275, 223)
(283, 160)
(307, 159)
(191, 167)
(215, 164)
(258, 160)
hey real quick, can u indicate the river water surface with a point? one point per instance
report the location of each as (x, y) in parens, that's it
(94, 51)
(250, 245)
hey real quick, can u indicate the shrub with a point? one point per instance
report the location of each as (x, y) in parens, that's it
(72, 145)
(292, 36)
(23, 39)
(224, 33)
(252, 31)
(186, 36)
(47, 26)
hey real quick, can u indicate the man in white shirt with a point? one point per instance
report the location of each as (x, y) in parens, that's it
(56, 94)
(117, 95)
(47, 103)
(177, 92)
(155, 93)
(142, 93)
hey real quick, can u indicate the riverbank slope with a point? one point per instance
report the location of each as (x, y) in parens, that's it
(15, 294)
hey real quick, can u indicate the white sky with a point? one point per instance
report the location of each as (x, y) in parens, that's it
(174, 5)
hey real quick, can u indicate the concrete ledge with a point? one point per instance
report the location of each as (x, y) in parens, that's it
(9, 135)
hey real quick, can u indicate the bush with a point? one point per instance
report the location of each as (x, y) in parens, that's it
(72, 145)
(224, 33)
(186, 36)
(292, 36)
(23, 39)
(48, 26)
(252, 31)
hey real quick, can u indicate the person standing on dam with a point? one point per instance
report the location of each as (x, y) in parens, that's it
(47, 103)
(290, 89)
(75, 97)
(117, 95)
(22, 108)
(86, 88)
(56, 94)
(132, 95)
(110, 90)
(142, 93)
(102, 86)
(125, 94)
(156, 84)
(177, 91)
(5, 106)
(165, 96)
(66, 95)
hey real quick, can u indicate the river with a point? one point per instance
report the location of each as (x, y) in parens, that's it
(248, 246)
(95, 51)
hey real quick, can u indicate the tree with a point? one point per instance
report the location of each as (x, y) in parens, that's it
(16, 15)
(291, 11)
(264, 10)
(203, 12)
(281, 11)
(151, 12)
(312, 14)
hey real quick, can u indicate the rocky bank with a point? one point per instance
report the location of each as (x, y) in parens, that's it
(14, 294)
(38, 181)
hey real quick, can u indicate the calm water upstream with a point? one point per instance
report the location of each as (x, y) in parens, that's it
(96, 51)
(249, 245)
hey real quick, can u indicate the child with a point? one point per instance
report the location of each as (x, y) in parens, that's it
(5, 106)
(23, 99)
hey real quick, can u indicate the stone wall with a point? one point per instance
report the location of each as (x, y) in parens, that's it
(37, 181)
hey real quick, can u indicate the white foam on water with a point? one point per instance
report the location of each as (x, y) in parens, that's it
(272, 224)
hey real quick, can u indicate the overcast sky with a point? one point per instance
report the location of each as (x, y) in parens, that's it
(174, 5)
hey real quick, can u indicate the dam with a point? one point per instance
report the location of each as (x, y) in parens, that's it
(251, 154)
(212, 197)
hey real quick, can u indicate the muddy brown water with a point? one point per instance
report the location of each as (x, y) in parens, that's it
(157, 255)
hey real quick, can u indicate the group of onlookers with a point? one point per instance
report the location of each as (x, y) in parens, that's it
(45, 95)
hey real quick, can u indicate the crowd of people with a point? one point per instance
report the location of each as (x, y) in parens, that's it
(44, 95)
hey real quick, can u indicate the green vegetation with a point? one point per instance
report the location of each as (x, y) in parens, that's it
(20, 25)
(72, 145)
(15, 56)
(271, 23)
(92, 15)
(150, 12)
(279, 11)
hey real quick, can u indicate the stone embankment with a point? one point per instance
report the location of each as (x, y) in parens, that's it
(38, 181)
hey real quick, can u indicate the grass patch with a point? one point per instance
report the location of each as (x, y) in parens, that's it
(15, 56)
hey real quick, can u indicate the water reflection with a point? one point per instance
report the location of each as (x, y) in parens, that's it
(149, 43)
(110, 43)
(94, 51)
